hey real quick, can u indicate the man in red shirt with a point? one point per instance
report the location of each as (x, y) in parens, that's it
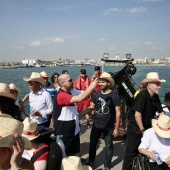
(66, 121)
(82, 83)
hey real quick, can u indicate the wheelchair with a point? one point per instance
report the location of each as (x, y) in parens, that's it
(140, 162)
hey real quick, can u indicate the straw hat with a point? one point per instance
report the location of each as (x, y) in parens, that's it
(44, 74)
(35, 77)
(152, 77)
(162, 126)
(73, 163)
(8, 127)
(108, 77)
(12, 86)
(30, 129)
(5, 91)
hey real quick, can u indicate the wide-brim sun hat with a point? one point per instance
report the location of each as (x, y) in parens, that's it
(152, 77)
(12, 86)
(30, 129)
(5, 91)
(35, 76)
(73, 163)
(8, 127)
(107, 77)
(44, 74)
(162, 126)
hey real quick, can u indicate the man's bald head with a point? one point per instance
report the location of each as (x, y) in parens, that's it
(62, 78)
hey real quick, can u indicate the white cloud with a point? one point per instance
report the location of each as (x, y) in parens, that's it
(35, 43)
(153, 48)
(133, 43)
(162, 48)
(136, 9)
(112, 10)
(57, 9)
(58, 40)
(148, 42)
(102, 39)
(111, 48)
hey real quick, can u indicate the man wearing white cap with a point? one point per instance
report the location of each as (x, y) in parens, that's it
(106, 103)
(41, 105)
(146, 104)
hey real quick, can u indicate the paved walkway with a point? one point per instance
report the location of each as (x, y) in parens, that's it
(119, 149)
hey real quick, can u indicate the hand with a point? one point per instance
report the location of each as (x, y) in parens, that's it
(116, 133)
(151, 155)
(167, 161)
(17, 151)
(94, 83)
(36, 113)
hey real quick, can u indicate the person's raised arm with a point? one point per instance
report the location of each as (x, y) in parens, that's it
(86, 93)
(18, 148)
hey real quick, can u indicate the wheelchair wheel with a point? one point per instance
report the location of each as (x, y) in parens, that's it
(140, 163)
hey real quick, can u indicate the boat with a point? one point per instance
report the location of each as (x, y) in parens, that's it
(25, 66)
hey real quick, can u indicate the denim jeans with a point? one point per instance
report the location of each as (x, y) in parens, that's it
(94, 138)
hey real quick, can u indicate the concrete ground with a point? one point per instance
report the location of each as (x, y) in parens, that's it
(119, 149)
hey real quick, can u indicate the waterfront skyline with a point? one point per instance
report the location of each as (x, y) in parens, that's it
(83, 29)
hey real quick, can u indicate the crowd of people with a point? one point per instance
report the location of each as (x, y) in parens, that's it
(61, 103)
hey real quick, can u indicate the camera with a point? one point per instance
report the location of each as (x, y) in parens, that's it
(124, 84)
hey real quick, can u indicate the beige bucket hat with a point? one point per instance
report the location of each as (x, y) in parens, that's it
(12, 86)
(162, 126)
(5, 91)
(73, 163)
(108, 77)
(44, 74)
(8, 127)
(152, 77)
(30, 129)
(35, 76)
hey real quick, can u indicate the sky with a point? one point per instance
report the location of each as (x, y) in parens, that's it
(79, 29)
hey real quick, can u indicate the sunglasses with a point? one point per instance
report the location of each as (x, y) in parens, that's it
(156, 83)
(70, 80)
(31, 82)
(142, 87)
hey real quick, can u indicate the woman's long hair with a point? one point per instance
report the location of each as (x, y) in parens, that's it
(7, 106)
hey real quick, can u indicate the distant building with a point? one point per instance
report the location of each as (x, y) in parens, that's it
(30, 62)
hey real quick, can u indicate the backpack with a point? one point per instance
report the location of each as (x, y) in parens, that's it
(55, 155)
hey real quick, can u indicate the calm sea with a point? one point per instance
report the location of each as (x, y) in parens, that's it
(16, 75)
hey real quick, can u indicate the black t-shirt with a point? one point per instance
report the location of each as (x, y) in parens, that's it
(147, 106)
(105, 114)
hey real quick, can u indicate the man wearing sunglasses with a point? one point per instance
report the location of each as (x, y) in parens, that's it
(66, 120)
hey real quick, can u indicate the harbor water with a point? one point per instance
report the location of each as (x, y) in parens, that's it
(16, 75)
